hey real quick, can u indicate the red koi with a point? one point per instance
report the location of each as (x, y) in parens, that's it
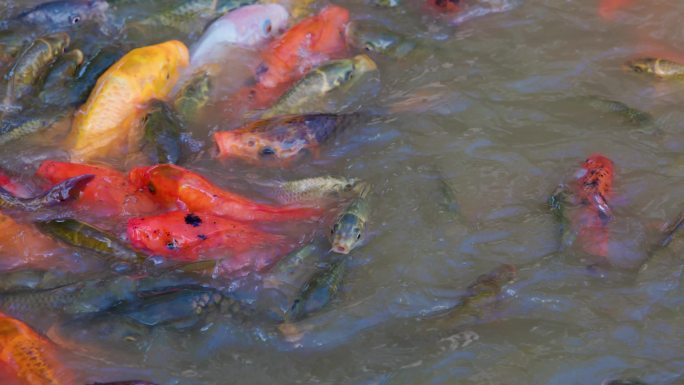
(109, 193)
(608, 8)
(311, 42)
(173, 185)
(189, 237)
(594, 182)
(448, 6)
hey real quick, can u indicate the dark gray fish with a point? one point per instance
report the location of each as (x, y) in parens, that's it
(162, 134)
(66, 190)
(65, 14)
(60, 73)
(79, 89)
(630, 114)
(624, 381)
(319, 291)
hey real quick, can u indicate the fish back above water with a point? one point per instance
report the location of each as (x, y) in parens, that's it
(108, 118)
(281, 137)
(65, 14)
(247, 26)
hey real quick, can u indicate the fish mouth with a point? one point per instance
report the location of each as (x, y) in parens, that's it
(364, 63)
(341, 249)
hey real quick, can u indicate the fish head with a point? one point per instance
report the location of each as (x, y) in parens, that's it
(643, 65)
(252, 146)
(58, 15)
(271, 20)
(346, 233)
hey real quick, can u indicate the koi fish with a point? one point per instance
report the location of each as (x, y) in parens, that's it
(108, 193)
(583, 208)
(173, 185)
(449, 6)
(247, 26)
(188, 236)
(608, 8)
(281, 138)
(30, 356)
(308, 44)
(108, 119)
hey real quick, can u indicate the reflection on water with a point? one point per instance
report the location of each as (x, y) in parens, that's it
(503, 108)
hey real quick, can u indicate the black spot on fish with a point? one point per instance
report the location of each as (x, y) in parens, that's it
(193, 220)
(151, 189)
(202, 237)
(172, 245)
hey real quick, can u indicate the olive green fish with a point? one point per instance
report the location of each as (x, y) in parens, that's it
(294, 269)
(33, 279)
(193, 96)
(85, 236)
(657, 67)
(33, 64)
(319, 82)
(162, 134)
(349, 229)
(630, 114)
(61, 72)
(484, 291)
(319, 291)
(30, 122)
(317, 190)
(11, 43)
(183, 16)
(448, 202)
(64, 191)
(376, 38)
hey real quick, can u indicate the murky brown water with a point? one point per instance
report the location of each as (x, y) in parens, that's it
(496, 107)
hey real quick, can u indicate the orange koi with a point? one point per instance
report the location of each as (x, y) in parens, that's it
(171, 185)
(308, 44)
(108, 194)
(448, 6)
(29, 355)
(595, 184)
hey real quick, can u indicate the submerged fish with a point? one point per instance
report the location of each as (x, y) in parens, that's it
(319, 82)
(631, 115)
(60, 73)
(317, 190)
(319, 291)
(450, 6)
(32, 358)
(375, 38)
(162, 134)
(624, 381)
(350, 226)
(247, 26)
(293, 269)
(282, 137)
(29, 122)
(32, 279)
(64, 14)
(33, 64)
(83, 235)
(193, 96)
(69, 189)
(107, 120)
(658, 67)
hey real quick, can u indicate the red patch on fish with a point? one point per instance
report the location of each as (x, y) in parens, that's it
(172, 185)
(311, 42)
(109, 193)
(608, 8)
(447, 6)
(190, 236)
(594, 182)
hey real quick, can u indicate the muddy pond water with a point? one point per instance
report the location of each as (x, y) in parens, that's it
(499, 109)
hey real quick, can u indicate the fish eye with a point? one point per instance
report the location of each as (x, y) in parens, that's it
(358, 236)
(75, 19)
(369, 47)
(334, 228)
(267, 27)
(348, 75)
(251, 143)
(267, 151)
